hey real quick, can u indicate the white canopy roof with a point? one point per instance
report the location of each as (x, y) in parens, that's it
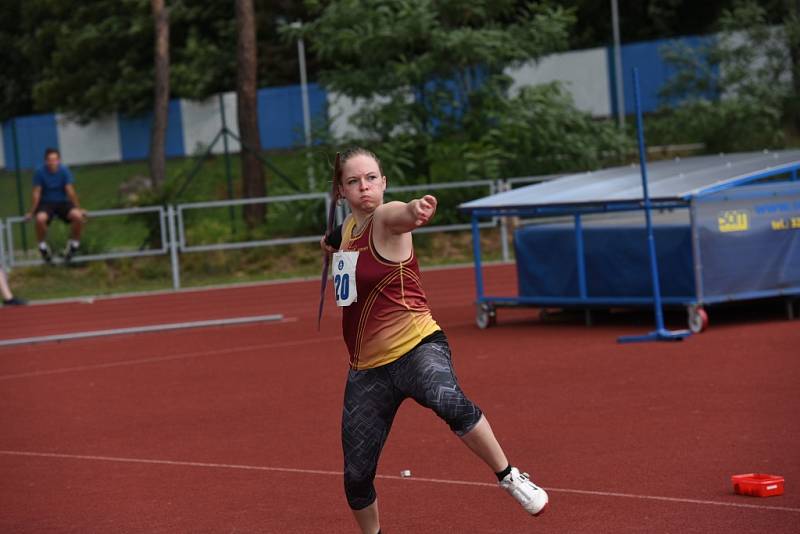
(677, 179)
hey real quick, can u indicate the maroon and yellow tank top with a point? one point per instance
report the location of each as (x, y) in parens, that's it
(391, 315)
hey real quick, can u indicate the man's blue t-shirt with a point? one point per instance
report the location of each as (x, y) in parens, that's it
(53, 184)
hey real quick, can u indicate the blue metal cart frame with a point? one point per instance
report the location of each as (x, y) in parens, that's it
(488, 304)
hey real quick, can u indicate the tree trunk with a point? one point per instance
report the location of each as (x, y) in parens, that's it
(253, 182)
(158, 133)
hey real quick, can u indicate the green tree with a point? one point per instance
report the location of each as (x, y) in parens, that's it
(21, 55)
(735, 91)
(158, 135)
(100, 59)
(540, 131)
(645, 20)
(427, 67)
(432, 73)
(247, 66)
(93, 57)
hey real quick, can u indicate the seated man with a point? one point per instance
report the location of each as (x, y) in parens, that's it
(8, 298)
(54, 194)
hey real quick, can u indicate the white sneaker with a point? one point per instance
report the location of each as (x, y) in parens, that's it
(70, 250)
(533, 498)
(44, 250)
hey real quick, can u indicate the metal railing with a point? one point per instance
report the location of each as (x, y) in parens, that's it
(493, 187)
(173, 221)
(181, 208)
(13, 261)
(183, 246)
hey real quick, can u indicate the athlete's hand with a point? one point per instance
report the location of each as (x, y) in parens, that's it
(423, 209)
(325, 246)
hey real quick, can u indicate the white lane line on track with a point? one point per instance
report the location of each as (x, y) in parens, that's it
(148, 461)
(158, 359)
(164, 327)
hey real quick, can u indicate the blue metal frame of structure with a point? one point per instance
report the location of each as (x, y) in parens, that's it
(688, 201)
(660, 333)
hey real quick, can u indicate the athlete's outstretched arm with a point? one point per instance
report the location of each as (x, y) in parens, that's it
(401, 217)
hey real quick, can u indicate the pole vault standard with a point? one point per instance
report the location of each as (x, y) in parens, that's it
(660, 333)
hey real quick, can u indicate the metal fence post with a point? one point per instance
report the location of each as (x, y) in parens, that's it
(9, 252)
(502, 186)
(341, 214)
(173, 248)
(2, 246)
(327, 208)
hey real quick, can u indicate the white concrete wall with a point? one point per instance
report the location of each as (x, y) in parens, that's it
(202, 120)
(341, 109)
(96, 142)
(584, 74)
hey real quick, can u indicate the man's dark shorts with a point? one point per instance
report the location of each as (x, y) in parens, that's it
(58, 209)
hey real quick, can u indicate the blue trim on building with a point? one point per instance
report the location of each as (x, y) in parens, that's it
(280, 114)
(35, 133)
(134, 134)
(654, 72)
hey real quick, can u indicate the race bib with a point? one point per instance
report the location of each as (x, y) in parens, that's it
(344, 277)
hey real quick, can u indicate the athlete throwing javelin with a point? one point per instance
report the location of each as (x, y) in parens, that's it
(397, 350)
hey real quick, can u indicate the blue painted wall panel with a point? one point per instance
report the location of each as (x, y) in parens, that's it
(134, 134)
(654, 72)
(35, 133)
(280, 114)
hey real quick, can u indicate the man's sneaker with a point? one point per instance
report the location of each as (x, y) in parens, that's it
(69, 251)
(47, 256)
(14, 301)
(529, 495)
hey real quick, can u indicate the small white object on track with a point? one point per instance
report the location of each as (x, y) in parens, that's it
(405, 473)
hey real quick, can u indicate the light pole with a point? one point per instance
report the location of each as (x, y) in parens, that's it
(618, 65)
(301, 58)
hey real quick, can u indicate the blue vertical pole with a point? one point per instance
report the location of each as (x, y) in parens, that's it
(647, 205)
(660, 334)
(476, 252)
(584, 293)
(581, 260)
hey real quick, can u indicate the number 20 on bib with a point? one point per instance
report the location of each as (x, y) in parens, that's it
(344, 277)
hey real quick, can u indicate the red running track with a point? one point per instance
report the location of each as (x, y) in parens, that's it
(236, 429)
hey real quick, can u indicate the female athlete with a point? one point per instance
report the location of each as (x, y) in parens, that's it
(397, 350)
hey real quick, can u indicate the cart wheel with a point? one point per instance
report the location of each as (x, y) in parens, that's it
(698, 319)
(486, 316)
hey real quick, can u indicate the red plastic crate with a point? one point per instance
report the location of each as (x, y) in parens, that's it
(757, 485)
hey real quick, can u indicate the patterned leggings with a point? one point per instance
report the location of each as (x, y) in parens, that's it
(371, 400)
